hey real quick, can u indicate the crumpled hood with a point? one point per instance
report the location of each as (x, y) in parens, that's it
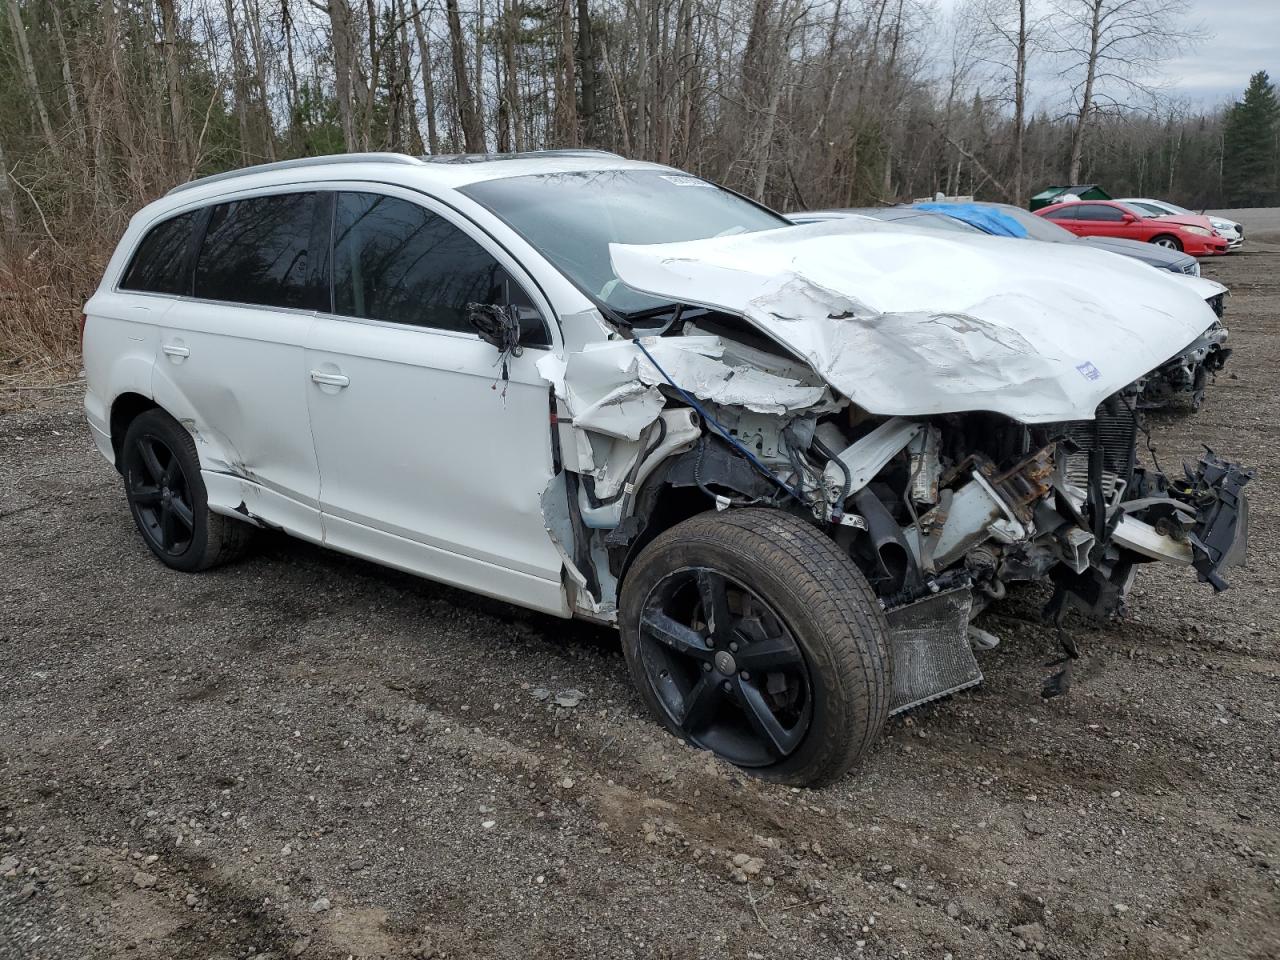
(911, 323)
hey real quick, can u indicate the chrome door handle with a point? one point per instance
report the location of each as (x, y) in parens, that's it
(330, 379)
(175, 351)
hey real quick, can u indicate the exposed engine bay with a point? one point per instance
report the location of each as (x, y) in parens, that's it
(941, 513)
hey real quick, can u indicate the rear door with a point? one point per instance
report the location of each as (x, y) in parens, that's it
(429, 459)
(232, 363)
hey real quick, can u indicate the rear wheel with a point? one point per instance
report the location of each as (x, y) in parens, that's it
(168, 500)
(750, 634)
(1168, 241)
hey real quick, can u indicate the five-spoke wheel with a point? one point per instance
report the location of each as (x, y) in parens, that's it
(167, 496)
(750, 634)
(160, 493)
(725, 667)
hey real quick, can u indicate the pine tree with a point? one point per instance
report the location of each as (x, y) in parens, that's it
(1251, 146)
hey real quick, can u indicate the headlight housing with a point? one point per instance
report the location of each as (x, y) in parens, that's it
(1199, 231)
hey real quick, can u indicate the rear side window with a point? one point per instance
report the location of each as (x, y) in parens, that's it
(394, 260)
(160, 263)
(1066, 213)
(256, 251)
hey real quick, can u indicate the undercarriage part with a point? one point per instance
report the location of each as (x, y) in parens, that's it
(893, 566)
(1096, 593)
(713, 463)
(929, 642)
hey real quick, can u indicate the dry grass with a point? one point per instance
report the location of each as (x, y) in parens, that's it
(41, 299)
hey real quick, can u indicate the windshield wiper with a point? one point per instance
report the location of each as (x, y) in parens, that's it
(649, 313)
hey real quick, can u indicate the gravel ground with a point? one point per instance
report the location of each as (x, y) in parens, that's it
(307, 755)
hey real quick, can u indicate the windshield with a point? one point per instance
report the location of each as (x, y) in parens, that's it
(1038, 228)
(571, 218)
(920, 218)
(1139, 211)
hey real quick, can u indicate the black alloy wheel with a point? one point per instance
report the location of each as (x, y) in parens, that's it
(168, 498)
(725, 667)
(160, 493)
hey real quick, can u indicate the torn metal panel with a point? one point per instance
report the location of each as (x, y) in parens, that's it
(612, 388)
(909, 324)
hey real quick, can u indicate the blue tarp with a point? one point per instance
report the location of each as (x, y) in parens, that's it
(986, 219)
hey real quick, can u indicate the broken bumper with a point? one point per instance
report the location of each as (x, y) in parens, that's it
(1220, 537)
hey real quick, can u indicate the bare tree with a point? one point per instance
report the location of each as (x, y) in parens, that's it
(1111, 48)
(472, 130)
(30, 78)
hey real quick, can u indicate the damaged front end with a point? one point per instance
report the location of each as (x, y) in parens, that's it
(942, 514)
(1188, 374)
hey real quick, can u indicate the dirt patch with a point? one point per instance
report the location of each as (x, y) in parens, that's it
(306, 755)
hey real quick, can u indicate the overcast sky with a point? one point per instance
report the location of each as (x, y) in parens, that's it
(1242, 37)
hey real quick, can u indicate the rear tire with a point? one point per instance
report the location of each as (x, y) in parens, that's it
(168, 499)
(793, 684)
(1168, 241)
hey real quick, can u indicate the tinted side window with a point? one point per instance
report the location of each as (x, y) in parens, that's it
(1097, 211)
(394, 260)
(255, 251)
(1066, 213)
(160, 263)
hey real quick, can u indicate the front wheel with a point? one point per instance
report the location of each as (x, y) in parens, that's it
(750, 634)
(1167, 241)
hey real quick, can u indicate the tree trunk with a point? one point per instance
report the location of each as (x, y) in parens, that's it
(428, 87)
(253, 24)
(1020, 108)
(73, 97)
(590, 78)
(239, 86)
(1086, 99)
(472, 133)
(8, 209)
(295, 121)
(340, 32)
(29, 76)
(566, 82)
(406, 79)
(479, 58)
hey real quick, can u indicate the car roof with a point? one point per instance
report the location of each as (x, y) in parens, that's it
(449, 172)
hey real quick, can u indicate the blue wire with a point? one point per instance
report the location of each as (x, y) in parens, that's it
(732, 440)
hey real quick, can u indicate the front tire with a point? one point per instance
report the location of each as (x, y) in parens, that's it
(1168, 241)
(168, 500)
(750, 634)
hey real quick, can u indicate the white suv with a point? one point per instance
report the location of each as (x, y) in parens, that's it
(790, 463)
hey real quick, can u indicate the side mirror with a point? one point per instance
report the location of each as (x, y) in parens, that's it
(499, 326)
(1128, 218)
(496, 325)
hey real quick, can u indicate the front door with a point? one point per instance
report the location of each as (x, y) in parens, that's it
(429, 460)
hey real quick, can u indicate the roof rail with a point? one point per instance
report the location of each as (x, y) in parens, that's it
(518, 155)
(402, 158)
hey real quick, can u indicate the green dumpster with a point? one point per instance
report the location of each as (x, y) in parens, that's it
(1083, 191)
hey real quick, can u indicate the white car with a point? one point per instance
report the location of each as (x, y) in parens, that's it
(1229, 230)
(788, 463)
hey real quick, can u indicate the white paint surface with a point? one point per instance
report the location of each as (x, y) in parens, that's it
(907, 323)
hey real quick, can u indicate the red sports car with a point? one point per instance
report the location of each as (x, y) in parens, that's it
(1107, 218)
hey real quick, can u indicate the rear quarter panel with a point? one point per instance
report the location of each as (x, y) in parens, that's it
(121, 338)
